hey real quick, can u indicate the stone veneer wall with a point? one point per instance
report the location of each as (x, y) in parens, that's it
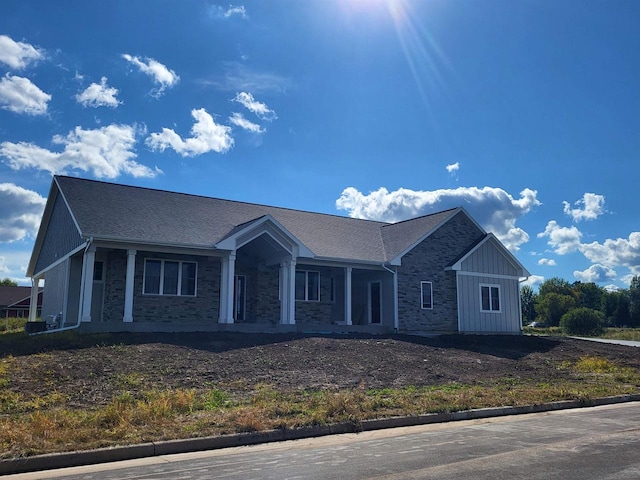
(204, 307)
(427, 262)
(115, 276)
(266, 295)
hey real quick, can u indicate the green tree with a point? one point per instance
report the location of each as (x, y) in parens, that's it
(527, 301)
(552, 306)
(582, 321)
(7, 282)
(589, 295)
(634, 300)
(556, 285)
(615, 306)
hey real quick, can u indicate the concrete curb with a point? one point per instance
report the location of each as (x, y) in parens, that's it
(114, 454)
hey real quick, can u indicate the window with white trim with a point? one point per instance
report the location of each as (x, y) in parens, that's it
(426, 295)
(490, 298)
(307, 285)
(169, 277)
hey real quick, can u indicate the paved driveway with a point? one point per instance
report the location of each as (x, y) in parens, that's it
(628, 343)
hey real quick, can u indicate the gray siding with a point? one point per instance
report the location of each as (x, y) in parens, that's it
(61, 236)
(488, 259)
(427, 262)
(472, 319)
(55, 282)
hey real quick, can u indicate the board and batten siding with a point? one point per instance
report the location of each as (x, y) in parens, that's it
(488, 259)
(55, 289)
(61, 237)
(472, 319)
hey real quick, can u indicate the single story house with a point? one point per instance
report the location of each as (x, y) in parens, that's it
(15, 302)
(123, 258)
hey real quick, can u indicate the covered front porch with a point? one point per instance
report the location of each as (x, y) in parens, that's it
(259, 279)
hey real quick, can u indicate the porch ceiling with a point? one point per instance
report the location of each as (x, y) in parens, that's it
(264, 247)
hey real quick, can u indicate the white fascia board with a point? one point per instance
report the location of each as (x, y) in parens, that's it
(252, 231)
(397, 260)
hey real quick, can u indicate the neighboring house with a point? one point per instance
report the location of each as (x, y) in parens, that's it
(122, 258)
(15, 302)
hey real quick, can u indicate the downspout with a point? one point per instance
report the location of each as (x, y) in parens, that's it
(73, 327)
(395, 297)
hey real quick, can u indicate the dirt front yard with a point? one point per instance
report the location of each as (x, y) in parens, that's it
(88, 371)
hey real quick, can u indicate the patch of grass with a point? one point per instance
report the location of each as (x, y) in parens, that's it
(12, 325)
(590, 364)
(553, 331)
(632, 334)
(133, 417)
(128, 380)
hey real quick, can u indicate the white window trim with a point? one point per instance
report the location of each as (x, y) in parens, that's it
(161, 288)
(422, 295)
(306, 285)
(490, 286)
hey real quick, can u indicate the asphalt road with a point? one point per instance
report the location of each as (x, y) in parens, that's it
(592, 443)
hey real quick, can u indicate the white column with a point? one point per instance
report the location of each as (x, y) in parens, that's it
(227, 288)
(291, 292)
(347, 295)
(33, 304)
(128, 286)
(87, 287)
(283, 289)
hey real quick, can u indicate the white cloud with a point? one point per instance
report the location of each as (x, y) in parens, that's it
(593, 207)
(533, 280)
(238, 120)
(258, 108)
(159, 73)
(237, 76)
(496, 210)
(20, 212)
(550, 262)
(232, 10)
(454, 167)
(613, 253)
(563, 239)
(595, 273)
(18, 54)
(106, 152)
(207, 136)
(19, 95)
(99, 95)
(13, 265)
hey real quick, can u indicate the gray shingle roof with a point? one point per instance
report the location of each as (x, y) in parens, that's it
(113, 211)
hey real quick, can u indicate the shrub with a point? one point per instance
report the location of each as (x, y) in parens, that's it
(582, 321)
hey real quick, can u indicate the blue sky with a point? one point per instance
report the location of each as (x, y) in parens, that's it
(524, 112)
